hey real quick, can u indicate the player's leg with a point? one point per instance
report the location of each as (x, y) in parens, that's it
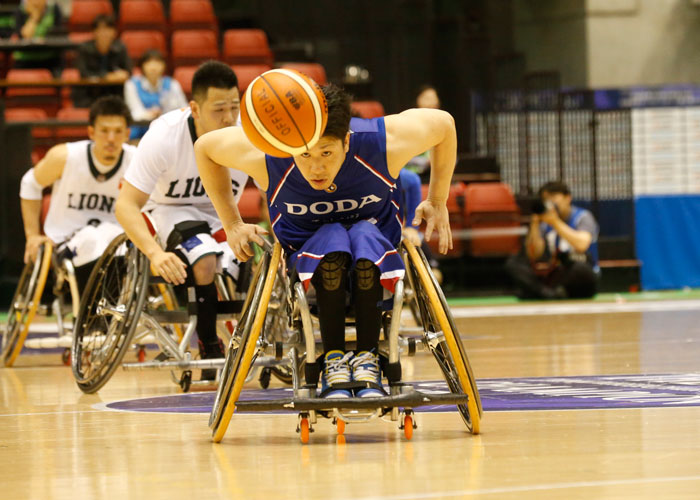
(367, 296)
(330, 282)
(375, 259)
(204, 271)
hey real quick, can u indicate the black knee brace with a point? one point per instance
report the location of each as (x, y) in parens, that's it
(333, 269)
(367, 274)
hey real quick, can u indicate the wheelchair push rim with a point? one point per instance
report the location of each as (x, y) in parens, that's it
(239, 361)
(450, 353)
(100, 342)
(25, 303)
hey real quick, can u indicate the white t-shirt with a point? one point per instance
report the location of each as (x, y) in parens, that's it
(164, 165)
(82, 193)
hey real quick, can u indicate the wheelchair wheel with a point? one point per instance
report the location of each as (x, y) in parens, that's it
(449, 351)
(109, 311)
(242, 348)
(25, 303)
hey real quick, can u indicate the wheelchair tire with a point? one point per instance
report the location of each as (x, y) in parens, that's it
(241, 351)
(118, 281)
(25, 303)
(449, 353)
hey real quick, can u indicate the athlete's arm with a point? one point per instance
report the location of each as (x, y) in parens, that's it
(46, 172)
(215, 151)
(128, 211)
(411, 133)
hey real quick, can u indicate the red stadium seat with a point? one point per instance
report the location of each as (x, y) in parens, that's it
(32, 97)
(313, 70)
(190, 47)
(72, 133)
(184, 74)
(68, 75)
(193, 14)
(491, 205)
(246, 47)
(83, 13)
(455, 208)
(138, 42)
(30, 115)
(368, 109)
(246, 73)
(249, 205)
(142, 15)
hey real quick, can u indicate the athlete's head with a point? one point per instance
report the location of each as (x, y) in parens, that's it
(215, 99)
(320, 164)
(559, 194)
(427, 97)
(108, 127)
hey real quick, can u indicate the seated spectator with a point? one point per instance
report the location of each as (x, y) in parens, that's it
(104, 58)
(37, 19)
(151, 94)
(561, 248)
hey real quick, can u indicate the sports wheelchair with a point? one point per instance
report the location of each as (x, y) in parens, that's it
(26, 303)
(439, 336)
(125, 305)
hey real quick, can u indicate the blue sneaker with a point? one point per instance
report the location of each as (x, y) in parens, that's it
(336, 370)
(365, 368)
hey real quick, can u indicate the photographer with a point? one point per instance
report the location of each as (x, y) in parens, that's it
(561, 248)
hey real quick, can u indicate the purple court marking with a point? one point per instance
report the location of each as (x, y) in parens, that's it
(507, 394)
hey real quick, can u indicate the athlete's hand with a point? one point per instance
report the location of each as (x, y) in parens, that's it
(32, 247)
(436, 217)
(169, 267)
(239, 237)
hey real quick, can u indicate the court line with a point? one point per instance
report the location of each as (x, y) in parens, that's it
(538, 487)
(553, 309)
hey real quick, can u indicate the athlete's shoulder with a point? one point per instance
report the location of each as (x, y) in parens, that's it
(360, 125)
(174, 118)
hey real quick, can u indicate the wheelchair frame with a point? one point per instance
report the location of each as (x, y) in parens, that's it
(439, 336)
(26, 303)
(133, 318)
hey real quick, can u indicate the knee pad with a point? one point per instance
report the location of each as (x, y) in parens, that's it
(367, 274)
(332, 269)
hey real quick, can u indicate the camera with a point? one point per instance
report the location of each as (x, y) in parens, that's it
(539, 207)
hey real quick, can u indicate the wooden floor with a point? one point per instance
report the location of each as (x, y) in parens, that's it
(57, 443)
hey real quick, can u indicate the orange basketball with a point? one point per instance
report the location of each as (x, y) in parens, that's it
(284, 112)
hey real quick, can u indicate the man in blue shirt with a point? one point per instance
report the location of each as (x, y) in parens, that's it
(561, 249)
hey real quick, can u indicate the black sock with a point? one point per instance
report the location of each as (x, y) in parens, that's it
(330, 300)
(207, 299)
(368, 293)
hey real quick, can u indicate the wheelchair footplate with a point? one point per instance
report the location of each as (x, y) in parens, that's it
(355, 409)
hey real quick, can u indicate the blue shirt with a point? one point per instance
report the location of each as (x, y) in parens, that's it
(365, 190)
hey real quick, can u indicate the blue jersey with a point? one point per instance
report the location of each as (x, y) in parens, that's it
(365, 190)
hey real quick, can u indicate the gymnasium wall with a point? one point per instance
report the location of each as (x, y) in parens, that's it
(610, 43)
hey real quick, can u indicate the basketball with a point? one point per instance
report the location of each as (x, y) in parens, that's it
(283, 112)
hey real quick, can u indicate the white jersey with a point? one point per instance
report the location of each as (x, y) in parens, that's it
(83, 194)
(165, 166)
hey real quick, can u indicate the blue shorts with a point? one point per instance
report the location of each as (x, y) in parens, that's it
(362, 240)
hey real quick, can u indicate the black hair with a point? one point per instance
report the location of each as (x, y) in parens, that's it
(212, 74)
(151, 54)
(339, 112)
(106, 19)
(554, 187)
(109, 105)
